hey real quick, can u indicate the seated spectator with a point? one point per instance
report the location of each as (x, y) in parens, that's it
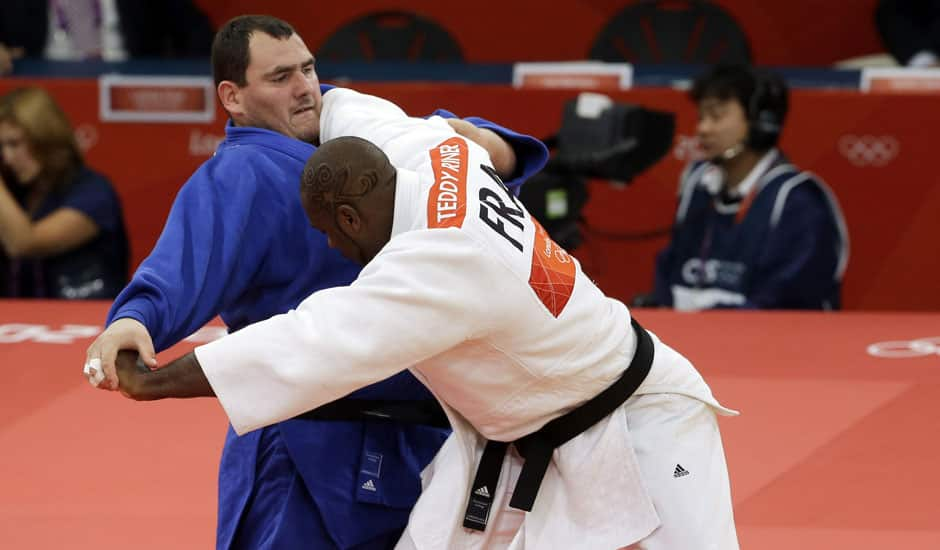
(751, 230)
(910, 30)
(112, 30)
(61, 227)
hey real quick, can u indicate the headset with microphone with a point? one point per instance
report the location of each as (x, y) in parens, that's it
(730, 152)
(765, 111)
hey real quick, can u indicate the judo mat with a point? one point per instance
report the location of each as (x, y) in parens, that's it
(836, 447)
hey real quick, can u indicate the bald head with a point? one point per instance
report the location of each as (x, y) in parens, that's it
(348, 191)
(344, 170)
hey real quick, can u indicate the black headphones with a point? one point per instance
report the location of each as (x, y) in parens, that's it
(765, 110)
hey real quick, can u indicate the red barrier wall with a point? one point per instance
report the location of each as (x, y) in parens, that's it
(891, 200)
(794, 32)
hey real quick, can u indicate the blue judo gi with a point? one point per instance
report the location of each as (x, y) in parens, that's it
(238, 244)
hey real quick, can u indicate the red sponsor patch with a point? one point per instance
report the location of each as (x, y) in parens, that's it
(447, 203)
(553, 272)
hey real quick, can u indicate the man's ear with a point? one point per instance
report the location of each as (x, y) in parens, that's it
(348, 219)
(231, 97)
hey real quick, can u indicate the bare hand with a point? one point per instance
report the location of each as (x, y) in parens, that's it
(7, 57)
(183, 377)
(123, 334)
(131, 374)
(501, 154)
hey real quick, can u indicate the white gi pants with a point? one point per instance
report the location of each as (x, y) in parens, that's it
(671, 430)
(679, 450)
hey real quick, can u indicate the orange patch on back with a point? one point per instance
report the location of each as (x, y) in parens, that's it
(553, 272)
(447, 202)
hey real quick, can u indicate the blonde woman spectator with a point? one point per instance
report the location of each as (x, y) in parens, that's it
(61, 229)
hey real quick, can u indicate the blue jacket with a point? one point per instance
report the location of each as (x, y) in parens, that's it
(238, 244)
(783, 247)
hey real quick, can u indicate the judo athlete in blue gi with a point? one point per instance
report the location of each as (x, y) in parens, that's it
(751, 230)
(237, 243)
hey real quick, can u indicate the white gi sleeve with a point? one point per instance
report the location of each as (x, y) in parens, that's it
(423, 294)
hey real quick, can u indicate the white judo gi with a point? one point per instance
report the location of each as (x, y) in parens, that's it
(501, 324)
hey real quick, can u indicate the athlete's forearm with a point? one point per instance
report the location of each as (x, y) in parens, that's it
(181, 378)
(501, 152)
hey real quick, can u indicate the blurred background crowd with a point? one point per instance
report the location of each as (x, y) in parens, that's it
(749, 162)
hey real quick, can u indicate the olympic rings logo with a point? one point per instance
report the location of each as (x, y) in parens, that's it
(897, 349)
(869, 150)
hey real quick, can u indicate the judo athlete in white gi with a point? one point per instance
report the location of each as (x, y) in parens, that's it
(462, 286)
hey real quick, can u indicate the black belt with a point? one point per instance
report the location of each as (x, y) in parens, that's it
(537, 447)
(427, 412)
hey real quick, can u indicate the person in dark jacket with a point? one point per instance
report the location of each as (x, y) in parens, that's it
(62, 232)
(751, 230)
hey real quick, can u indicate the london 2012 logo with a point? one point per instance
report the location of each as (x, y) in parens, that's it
(899, 349)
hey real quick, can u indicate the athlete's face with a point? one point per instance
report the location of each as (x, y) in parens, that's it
(342, 233)
(282, 91)
(722, 125)
(16, 154)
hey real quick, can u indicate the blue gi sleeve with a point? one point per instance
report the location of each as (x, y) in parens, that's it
(798, 265)
(531, 154)
(206, 256)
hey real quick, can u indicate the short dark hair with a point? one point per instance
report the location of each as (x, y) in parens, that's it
(344, 170)
(230, 53)
(760, 93)
(724, 82)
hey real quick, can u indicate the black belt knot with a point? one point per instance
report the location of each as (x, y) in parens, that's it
(537, 447)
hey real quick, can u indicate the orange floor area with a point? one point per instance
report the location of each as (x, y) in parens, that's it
(836, 446)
